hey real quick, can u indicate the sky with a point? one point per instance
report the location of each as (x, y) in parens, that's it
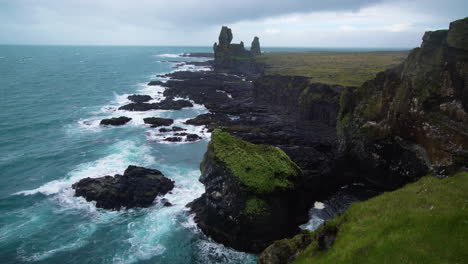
(278, 23)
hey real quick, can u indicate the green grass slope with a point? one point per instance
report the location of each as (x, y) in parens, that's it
(423, 222)
(344, 68)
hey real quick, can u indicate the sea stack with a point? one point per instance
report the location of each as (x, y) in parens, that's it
(233, 57)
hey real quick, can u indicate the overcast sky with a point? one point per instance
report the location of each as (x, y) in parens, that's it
(303, 23)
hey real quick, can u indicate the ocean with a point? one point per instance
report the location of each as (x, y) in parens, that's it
(52, 100)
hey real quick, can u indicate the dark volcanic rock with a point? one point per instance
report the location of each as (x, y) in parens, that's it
(116, 121)
(167, 104)
(174, 104)
(211, 120)
(398, 126)
(137, 98)
(173, 139)
(249, 194)
(192, 137)
(153, 83)
(235, 58)
(158, 121)
(137, 187)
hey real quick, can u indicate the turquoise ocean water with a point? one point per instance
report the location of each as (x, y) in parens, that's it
(51, 101)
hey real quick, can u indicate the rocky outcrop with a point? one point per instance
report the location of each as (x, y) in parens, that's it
(249, 193)
(139, 98)
(158, 121)
(255, 48)
(115, 121)
(167, 104)
(234, 58)
(137, 187)
(298, 95)
(413, 118)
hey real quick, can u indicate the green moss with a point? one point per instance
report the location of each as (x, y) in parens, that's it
(342, 123)
(255, 207)
(372, 108)
(261, 168)
(423, 222)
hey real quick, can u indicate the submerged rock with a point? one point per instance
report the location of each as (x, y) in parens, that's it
(137, 187)
(173, 139)
(158, 121)
(138, 98)
(192, 137)
(116, 121)
(249, 193)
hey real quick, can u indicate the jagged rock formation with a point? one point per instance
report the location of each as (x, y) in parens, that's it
(230, 57)
(249, 193)
(255, 47)
(137, 187)
(412, 118)
(115, 121)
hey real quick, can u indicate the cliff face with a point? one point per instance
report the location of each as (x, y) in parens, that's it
(412, 118)
(234, 58)
(249, 193)
(297, 95)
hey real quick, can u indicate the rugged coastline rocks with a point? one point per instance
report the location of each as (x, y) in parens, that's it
(139, 98)
(137, 187)
(115, 121)
(158, 121)
(403, 124)
(249, 193)
(167, 104)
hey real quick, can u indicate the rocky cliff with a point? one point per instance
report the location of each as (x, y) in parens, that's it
(413, 118)
(234, 58)
(249, 193)
(408, 121)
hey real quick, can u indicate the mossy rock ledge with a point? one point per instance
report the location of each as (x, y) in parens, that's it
(249, 198)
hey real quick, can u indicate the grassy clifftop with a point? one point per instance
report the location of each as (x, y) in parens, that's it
(261, 168)
(423, 222)
(343, 68)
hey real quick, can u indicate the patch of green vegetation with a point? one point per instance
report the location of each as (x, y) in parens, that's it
(423, 222)
(342, 123)
(373, 107)
(255, 207)
(262, 168)
(344, 68)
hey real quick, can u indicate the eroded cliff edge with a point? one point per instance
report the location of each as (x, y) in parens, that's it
(412, 119)
(407, 122)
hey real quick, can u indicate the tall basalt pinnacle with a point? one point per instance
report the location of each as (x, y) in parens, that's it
(225, 37)
(255, 48)
(233, 57)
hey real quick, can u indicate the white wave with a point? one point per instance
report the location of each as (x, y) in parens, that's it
(124, 153)
(170, 55)
(313, 224)
(319, 205)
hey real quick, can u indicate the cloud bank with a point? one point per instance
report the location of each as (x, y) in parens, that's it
(345, 23)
